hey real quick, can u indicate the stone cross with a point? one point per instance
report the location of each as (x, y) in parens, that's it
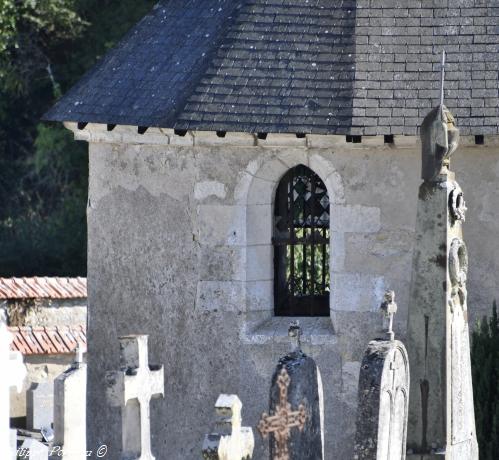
(383, 402)
(388, 308)
(231, 441)
(296, 424)
(14, 372)
(132, 389)
(70, 411)
(441, 412)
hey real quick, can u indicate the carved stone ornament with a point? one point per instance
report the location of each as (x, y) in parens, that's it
(458, 262)
(458, 271)
(457, 204)
(440, 139)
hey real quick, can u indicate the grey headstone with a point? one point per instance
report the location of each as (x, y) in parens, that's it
(32, 449)
(297, 382)
(383, 402)
(441, 414)
(40, 405)
(70, 412)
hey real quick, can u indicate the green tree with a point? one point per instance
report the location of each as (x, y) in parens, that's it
(485, 370)
(45, 47)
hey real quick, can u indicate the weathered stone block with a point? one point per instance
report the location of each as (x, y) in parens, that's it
(222, 225)
(355, 218)
(220, 296)
(260, 265)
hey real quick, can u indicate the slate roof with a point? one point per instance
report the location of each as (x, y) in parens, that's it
(298, 66)
(43, 288)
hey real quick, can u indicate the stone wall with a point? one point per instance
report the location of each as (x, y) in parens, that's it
(46, 312)
(179, 248)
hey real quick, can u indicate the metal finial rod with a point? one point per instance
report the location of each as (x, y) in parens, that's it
(442, 81)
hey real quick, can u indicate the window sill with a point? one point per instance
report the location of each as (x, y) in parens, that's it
(315, 331)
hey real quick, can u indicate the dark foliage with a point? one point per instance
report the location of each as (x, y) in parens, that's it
(45, 47)
(485, 369)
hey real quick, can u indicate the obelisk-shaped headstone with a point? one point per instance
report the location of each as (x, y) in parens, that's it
(441, 415)
(383, 395)
(295, 423)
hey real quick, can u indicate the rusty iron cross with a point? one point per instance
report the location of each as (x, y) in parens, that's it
(283, 420)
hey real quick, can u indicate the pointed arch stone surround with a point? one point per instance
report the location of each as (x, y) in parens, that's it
(255, 192)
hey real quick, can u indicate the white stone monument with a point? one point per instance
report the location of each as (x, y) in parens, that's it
(231, 441)
(132, 388)
(14, 372)
(70, 411)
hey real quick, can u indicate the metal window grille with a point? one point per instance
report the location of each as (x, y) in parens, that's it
(301, 245)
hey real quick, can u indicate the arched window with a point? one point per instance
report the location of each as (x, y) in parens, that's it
(301, 245)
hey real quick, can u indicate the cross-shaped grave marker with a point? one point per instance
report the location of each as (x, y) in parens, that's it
(231, 441)
(283, 420)
(14, 373)
(132, 389)
(388, 308)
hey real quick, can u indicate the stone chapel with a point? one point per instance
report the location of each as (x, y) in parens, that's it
(254, 161)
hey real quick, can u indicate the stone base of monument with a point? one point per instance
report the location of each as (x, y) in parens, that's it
(425, 457)
(461, 451)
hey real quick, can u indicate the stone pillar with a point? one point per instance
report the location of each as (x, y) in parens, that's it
(296, 420)
(70, 412)
(13, 444)
(14, 372)
(441, 415)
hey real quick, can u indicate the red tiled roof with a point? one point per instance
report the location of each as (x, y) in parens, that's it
(57, 340)
(43, 288)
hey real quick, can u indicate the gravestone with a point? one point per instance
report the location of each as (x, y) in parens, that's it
(14, 372)
(441, 414)
(32, 449)
(70, 411)
(383, 395)
(132, 388)
(40, 405)
(295, 423)
(229, 441)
